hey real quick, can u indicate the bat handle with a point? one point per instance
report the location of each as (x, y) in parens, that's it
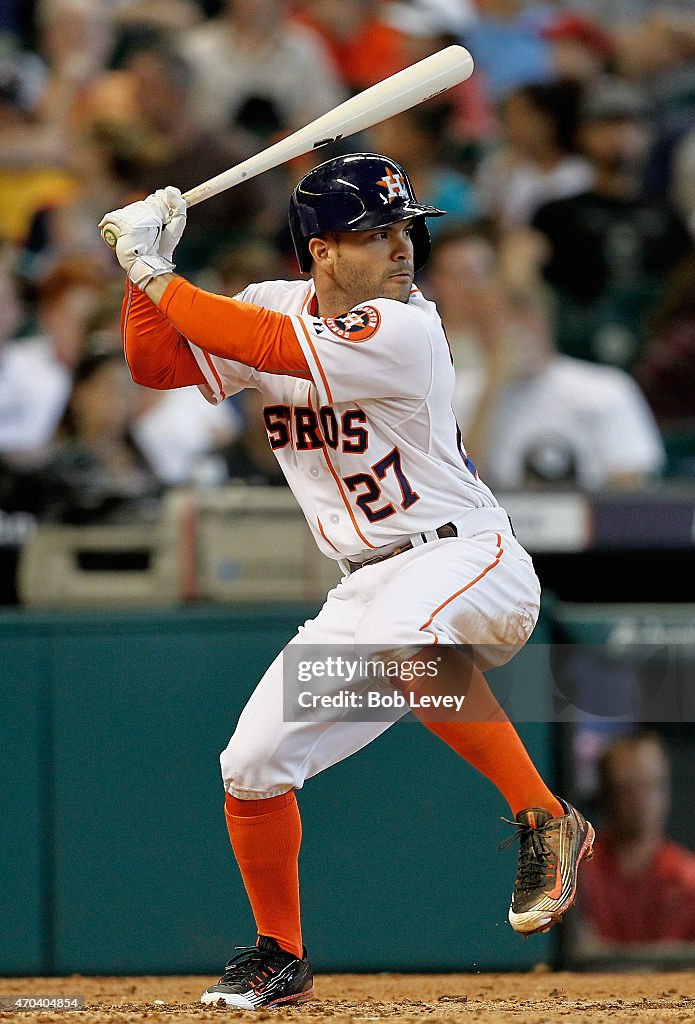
(109, 233)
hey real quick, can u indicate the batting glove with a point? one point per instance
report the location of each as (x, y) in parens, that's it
(170, 205)
(139, 229)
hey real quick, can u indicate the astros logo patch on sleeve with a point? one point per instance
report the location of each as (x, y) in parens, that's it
(358, 325)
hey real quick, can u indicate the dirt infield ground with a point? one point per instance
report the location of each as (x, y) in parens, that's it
(534, 998)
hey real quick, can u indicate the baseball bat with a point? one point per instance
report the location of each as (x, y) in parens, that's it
(399, 92)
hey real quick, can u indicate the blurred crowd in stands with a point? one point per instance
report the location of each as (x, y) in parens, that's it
(564, 273)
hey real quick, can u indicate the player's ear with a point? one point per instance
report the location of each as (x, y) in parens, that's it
(321, 250)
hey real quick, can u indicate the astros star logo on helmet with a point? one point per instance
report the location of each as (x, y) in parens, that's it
(395, 183)
(358, 325)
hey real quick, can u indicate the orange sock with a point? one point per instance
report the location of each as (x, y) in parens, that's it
(266, 836)
(483, 735)
(494, 748)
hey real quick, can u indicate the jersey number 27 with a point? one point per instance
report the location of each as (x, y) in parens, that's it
(372, 491)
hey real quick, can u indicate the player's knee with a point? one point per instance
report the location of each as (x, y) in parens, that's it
(250, 772)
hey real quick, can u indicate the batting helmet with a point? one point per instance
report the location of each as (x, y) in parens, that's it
(357, 192)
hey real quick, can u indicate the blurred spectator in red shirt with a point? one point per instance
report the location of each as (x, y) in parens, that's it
(666, 371)
(639, 887)
(344, 26)
(581, 48)
(409, 31)
(370, 41)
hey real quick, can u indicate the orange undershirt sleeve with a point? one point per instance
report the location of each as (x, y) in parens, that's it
(235, 330)
(158, 356)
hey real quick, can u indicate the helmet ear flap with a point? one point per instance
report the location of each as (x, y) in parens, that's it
(422, 242)
(300, 238)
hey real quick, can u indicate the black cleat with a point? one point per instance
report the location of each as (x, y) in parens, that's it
(262, 976)
(551, 850)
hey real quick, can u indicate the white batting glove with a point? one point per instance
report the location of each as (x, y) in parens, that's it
(139, 230)
(170, 205)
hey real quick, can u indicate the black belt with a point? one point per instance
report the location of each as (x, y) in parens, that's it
(448, 530)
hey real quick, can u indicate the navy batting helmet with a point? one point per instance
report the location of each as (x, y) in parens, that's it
(356, 192)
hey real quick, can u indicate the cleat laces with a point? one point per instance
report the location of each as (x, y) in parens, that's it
(249, 966)
(536, 859)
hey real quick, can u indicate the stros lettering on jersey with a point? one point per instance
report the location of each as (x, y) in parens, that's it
(370, 447)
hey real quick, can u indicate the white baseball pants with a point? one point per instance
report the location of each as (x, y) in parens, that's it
(480, 589)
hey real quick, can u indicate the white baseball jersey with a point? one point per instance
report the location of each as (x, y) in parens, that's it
(370, 447)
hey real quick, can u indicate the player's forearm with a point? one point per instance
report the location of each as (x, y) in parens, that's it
(228, 328)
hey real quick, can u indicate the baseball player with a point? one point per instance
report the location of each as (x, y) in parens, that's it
(356, 379)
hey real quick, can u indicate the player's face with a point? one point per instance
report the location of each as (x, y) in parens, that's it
(374, 264)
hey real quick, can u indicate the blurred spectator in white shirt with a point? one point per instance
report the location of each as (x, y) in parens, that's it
(177, 429)
(532, 417)
(13, 421)
(36, 371)
(258, 72)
